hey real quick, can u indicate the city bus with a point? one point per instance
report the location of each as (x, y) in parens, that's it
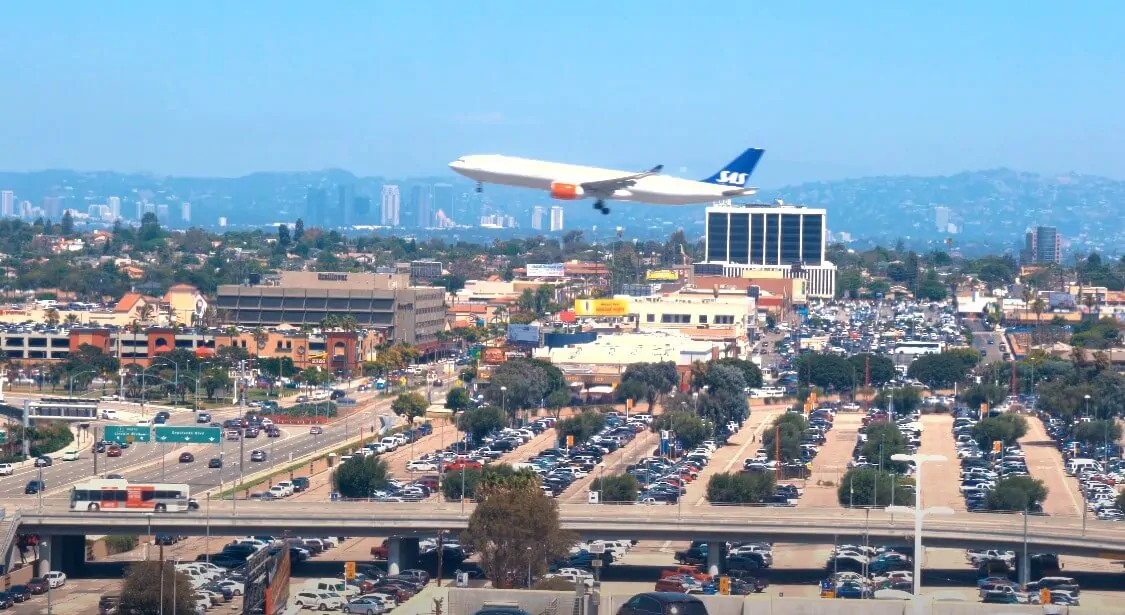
(918, 347)
(62, 408)
(120, 495)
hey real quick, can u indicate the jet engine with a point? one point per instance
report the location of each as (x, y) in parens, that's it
(566, 192)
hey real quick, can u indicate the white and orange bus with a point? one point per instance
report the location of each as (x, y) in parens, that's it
(121, 495)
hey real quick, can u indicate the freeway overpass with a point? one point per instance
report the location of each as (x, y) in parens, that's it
(1065, 535)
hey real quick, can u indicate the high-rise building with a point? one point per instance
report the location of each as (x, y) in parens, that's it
(7, 203)
(222, 221)
(162, 212)
(778, 238)
(52, 207)
(556, 219)
(150, 208)
(389, 205)
(185, 211)
(316, 207)
(361, 209)
(421, 204)
(1041, 246)
(114, 204)
(345, 202)
(537, 214)
(140, 210)
(942, 218)
(443, 199)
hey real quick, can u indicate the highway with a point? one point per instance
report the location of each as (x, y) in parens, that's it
(143, 461)
(1063, 535)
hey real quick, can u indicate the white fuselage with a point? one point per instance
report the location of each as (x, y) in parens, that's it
(541, 175)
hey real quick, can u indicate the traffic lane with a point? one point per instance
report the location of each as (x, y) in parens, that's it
(62, 474)
(730, 458)
(1044, 462)
(831, 462)
(942, 480)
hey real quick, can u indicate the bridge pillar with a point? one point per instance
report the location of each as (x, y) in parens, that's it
(402, 553)
(715, 557)
(64, 553)
(1023, 565)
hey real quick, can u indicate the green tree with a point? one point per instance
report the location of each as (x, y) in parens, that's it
(870, 487)
(882, 368)
(215, 379)
(479, 422)
(790, 427)
(458, 399)
(942, 370)
(906, 399)
(688, 427)
(617, 488)
(514, 530)
(984, 393)
(582, 426)
(883, 441)
(360, 477)
(410, 405)
(1007, 428)
(477, 482)
(751, 373)
(146, 583)
(1017, 493)
(522, 384)
(655, 379)
(740, 487)
(827, 371)
(1096, 432)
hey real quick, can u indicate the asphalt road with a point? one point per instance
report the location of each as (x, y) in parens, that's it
(981, 338)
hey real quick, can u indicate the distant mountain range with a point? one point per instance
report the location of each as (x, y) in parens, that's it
(988, 210)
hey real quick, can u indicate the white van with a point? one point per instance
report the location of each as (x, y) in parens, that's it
(329, 585)
(1076, 465)
(389, 443)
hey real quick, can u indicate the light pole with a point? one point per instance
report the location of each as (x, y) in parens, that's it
(919, 512)
(70, 387)
(1087, 398)
(198, 377)
(504, 399)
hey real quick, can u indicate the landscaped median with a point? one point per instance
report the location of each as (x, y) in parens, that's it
(309, 461)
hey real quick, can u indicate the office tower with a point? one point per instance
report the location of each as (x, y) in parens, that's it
(388, 205)
(140, 210)
(345, 201)
(222, 221)
(556, 219)
(7, 203)
(774, 238)
(942, 218)
(52, 207)
(185, 211)
(150, 208)
(443, 199)
(1041, 246)
(421, 201)
(114, 204)
(316, 206)
(537, 215)
(162, 212)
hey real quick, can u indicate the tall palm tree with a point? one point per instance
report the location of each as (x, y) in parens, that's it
(51, 316)
(1038, 306)
(72, 319)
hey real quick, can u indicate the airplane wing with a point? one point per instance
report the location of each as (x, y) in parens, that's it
(740, 192)
(617, 183)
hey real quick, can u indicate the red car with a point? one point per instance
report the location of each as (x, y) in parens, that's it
(459, 465)
(113, 451)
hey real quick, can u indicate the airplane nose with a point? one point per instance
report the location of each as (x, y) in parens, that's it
(457, 165)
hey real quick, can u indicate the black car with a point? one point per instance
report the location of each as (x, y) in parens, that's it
(258, 456)
(215, 462)
(35, 486)
(20, 593)
(186, 458)
(43, 461)
(99, 447)
(663, 603)
(6, 600)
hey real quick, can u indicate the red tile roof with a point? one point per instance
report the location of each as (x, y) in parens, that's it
(128, 302)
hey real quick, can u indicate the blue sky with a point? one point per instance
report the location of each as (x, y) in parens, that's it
(829, 89)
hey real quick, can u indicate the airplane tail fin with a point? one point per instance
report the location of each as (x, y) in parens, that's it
(738, 171)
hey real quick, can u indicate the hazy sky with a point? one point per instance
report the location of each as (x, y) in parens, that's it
(829, 89)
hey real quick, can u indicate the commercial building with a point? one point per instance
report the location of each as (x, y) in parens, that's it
(1042, 245)
(769, 238)
(382, 302)
(389, 206)
(425, 270)
(556, 219)
(537, 214)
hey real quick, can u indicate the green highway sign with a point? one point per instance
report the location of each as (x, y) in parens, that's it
(187, 435)
(127, 433)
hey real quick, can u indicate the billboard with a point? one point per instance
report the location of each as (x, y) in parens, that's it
(493, 356)
(523, 334)
(662, 275)
(601, 307)
(550, 270)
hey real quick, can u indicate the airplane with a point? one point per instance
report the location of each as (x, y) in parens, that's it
(569, 182)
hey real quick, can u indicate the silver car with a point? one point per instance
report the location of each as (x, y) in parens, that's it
(368, 605)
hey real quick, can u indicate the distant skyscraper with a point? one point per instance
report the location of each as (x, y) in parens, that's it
(537, 215)
(389, 205)
(114, 204)
(556, 219)
(345, 202)
(7, 203)
(1044, 245)
(162, 212)
(361, 208)
(443, 199)
(941, 218)
(421, 203)
(222, 221)
(52, 207)
(316, 205)
(140, 209)
(185, 211)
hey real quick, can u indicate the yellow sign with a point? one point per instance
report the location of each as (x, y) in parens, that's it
(665, 275)
(570, 441)
(628, 404)
(724, 585)
(349, 571)
(601, 307)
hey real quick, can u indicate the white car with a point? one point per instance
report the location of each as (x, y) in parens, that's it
(421, 466)
(70, 456)
(319, 601)
(236, 587)
(7, 469)
(56, 579)
(278, 491)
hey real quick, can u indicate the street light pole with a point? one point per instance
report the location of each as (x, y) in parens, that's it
(919, 512)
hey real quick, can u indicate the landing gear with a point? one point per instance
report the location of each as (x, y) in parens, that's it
(480, 187)
(601, 206)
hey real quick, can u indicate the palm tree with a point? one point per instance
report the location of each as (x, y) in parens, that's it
(1038, 306)
(51, 316)
(72, 319)
(260, 338)
(146, 313)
